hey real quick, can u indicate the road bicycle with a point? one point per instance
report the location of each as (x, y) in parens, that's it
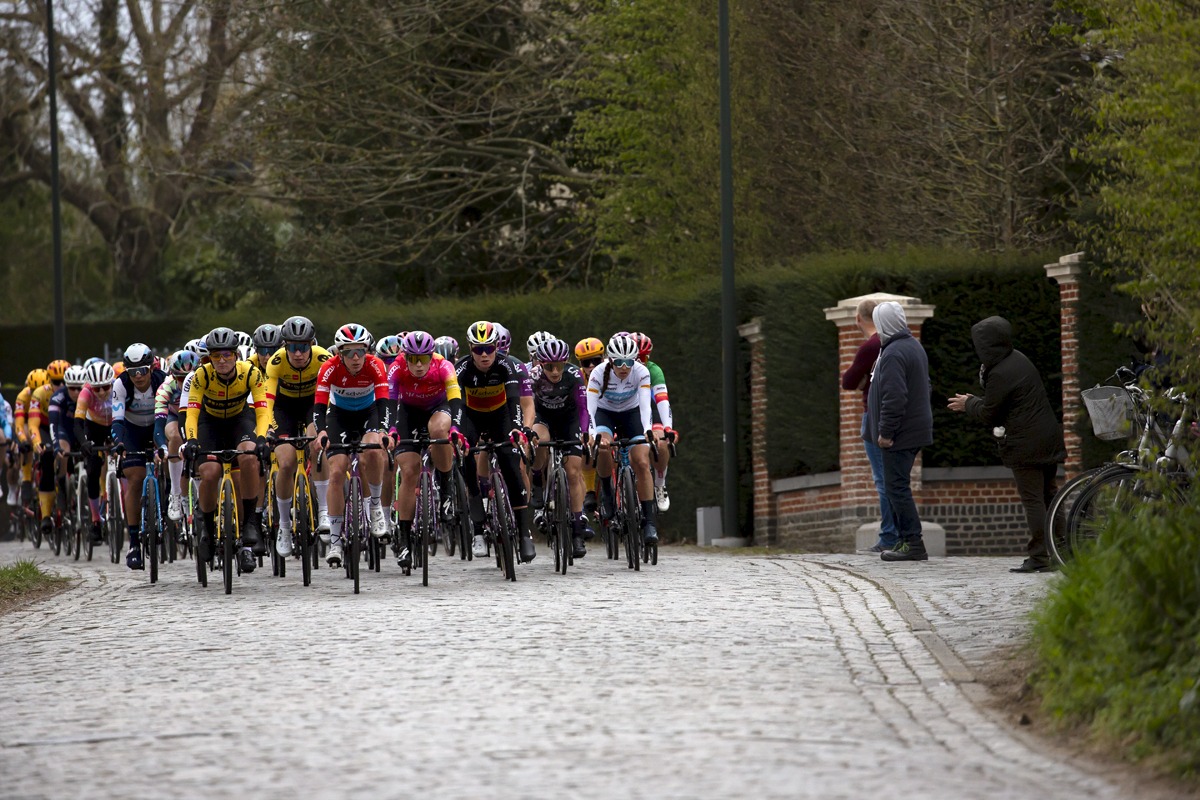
(304, 517)
(227, 541)
(113, 504)
(151, 537)
(555, 518)
(428, 522)
(356, 529)
(500, 527)
(626, 525)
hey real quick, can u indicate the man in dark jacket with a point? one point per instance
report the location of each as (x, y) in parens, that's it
(900, 422)
(1015, 406)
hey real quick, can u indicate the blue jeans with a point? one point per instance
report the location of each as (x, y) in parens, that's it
(897, 472)
(887, 527)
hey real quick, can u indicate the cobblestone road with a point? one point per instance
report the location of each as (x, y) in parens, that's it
(707, 676)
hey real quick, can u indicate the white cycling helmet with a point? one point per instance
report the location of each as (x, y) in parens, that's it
(244, 339)
(535, 341)
(76, 375)
(353, 333)
(101, 374)
(244, 352)
(197, 346)
(622, 346)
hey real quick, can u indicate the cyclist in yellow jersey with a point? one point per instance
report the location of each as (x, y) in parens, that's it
(34, 380)
(589, 352)
(227, 409)
(291, 386)
(39, 435)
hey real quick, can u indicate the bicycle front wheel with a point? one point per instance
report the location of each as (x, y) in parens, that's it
(562, 519)
(227, 527)
(1119, 490)
(504, 516)
(1057, 543)
(150, 525)
(427, 520)
(354, 526)
(633, 533)
(302, 529)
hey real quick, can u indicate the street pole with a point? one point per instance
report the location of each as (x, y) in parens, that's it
(60, 320)
(728, 295)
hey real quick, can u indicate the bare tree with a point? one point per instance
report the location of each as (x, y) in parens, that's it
(154, 89)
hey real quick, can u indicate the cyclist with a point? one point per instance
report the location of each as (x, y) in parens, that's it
(227, 409)
(660, 415)
(267, 340)
(503, 342)
(352, 403)
(447, 348)
(491, 385)
(167, 436)
(531, 345)
(133, 397)
(40, 436)
(424, 388)
(93, 429)
(560, 397)
(589, 352)
(62, 423)
(33, 381)
(388, 350)
(8, 443)
(291, 390)
(619, 407)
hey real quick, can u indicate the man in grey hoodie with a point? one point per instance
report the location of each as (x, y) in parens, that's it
(900, 422)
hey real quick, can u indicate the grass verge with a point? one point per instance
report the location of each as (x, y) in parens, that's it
(23, 580)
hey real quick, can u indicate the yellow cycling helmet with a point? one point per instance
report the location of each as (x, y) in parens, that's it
(36, 379)
(589, 348)
(58, 369)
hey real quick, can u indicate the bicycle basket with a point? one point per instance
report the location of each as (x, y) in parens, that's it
(1110, 410)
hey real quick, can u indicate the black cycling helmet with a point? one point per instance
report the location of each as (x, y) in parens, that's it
(298, 329)
(268, 337)
(222, 339)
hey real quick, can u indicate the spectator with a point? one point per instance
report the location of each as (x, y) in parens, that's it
(858, 376)
(900, 422)
(1015, 406)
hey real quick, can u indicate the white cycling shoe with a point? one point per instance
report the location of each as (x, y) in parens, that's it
(323, 526)
(662, 498)
(334, 557)
(479, 547)
(379, 523)
(175, 507)
(283, 541)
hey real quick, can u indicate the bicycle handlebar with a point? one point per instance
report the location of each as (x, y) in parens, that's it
(355, 447)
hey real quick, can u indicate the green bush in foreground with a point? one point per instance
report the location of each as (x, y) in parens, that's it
(22, 577)
(1118, 638)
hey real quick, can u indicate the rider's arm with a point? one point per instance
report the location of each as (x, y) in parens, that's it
(258, 396)
(644, 400)
(383, 405)
(321, 397)
(271, 382)
(118, 411)
(81, 408)
(581, 405)
(658, 387)
(195, 400)
(593, 400)
(56, 421)
(162, 407)
(512, 396)
(454, 395)
(35, 419)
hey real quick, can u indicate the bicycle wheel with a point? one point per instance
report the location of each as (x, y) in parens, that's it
(302, 529)
(116, 518)
(1121, 489)
(82, 514)
(427, 516)
(354, 527)
(227, 532)
(449, 528)
(629, 500)
(562, 518)
(150, 525)
(462, 517)
(33, 526)
(508, 529)
(1057, 543)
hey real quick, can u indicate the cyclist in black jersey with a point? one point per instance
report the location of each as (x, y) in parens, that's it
(491, 409)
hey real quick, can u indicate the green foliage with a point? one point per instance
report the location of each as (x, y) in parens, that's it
(1118, 637)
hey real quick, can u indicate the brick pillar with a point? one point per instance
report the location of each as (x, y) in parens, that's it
(1066, 272)
(764, 498)
(858, 487)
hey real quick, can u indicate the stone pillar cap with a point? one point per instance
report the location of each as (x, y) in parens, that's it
(752, 330)
(1067, 268)
(914, 310)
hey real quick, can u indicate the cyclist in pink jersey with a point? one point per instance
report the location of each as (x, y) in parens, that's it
(93, 427)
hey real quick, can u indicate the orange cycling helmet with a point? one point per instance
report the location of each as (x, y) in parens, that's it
(118, 368)
(589, 348)
(36, 379)
(58, 369)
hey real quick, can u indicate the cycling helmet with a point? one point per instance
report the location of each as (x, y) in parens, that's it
(418, 343)
(92, 360)
(622, 346)
(535, 340)
(221, 339)
(75, 375)
(388, 347)
(138, 355)
(197, 347)
(244, 351)
(100, 374)
(298, 329)
(645, 346)
(482, 332)
(553, 350)
(36, 379)
(58, 369)
(183, 362)
(446, 347)
(245, 339)
(589, 348)
(118, 368)
(268, 337)
(503, 338)
(352, 333)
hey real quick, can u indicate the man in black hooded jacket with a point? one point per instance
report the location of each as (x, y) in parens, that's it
(1015, 406)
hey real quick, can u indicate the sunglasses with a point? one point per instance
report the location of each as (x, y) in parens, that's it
(623, 362)
(484, 349)
(357, 352)
(222, 355)
(264, 353)
(590, 363)
(298, 347)
(554, 366)
(138, 372)
(102, 389)
(422, 359)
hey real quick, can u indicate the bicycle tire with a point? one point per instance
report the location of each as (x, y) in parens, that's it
(507, 529)
(562, 517)
(82, 515)
(1057, 545)
(33, 526)
(1087, 514)
(427, 518)
(302, 529)
(449, 529)
(629, 500)
(116, 518)
(227, 524)
(354, 522)
(462, 515)
(150, 526)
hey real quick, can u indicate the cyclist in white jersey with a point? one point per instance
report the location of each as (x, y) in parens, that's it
(619, 400)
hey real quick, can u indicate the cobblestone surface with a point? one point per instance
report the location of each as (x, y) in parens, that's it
(706, 676)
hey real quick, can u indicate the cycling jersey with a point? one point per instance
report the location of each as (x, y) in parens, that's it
(497, 390)
(437, 386)
(166, 407)
(226, 399)
(62, 416)
(522, 369)
(91, 408)
(658, 388)
(39, 412)
(21, 411)
(134, 406)
(619, 395)
(284, 380)
(359, 392)
(569, 395)
(6, 418)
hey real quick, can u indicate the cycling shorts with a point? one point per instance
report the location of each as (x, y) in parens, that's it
(225, 433)
(342, 426)
(137, 437)
(563, 426)
(620, 424)
(418, 423)
(293, 415)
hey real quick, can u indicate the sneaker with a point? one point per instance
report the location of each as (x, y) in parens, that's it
(175, 507)
(246, 560)
(133, 559)
(662, 498)
(1033, 565)
(283, 541)
(906, 551)
(649, 533)
(875, 548)
(379, 523)
(334, 557)
(323, 526)
(252, 536)
(528, 551)
(479, 547)
(578, 548)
